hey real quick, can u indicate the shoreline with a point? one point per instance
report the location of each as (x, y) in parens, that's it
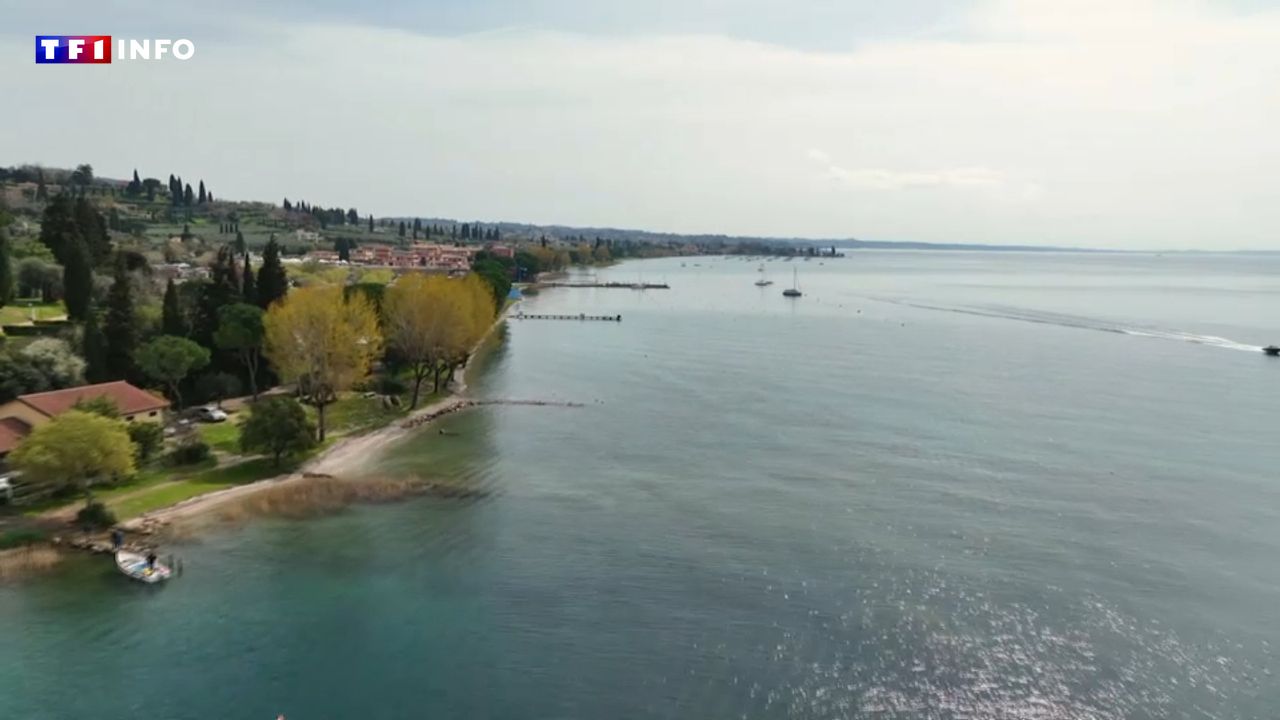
(344, 456)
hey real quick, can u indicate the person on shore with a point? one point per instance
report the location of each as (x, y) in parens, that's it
(117, 539)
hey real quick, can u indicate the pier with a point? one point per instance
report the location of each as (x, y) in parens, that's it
(579, 316)
(614, 285)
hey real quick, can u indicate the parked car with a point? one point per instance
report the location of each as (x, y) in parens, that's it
(210, 414)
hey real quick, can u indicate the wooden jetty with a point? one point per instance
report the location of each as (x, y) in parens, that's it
(579, 316)
(614, 285)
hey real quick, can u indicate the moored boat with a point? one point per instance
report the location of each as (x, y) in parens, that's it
(137, 566)
(794, 290)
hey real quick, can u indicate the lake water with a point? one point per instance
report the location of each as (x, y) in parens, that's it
(939, 485)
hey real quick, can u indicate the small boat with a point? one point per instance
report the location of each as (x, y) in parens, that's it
(136, 566)
(762, 282)
(794, 290)
(1272, 350)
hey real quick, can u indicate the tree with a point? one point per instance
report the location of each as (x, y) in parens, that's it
(134, 188)
(34, 278)
(6, 269)
(54, 359)
(75, 448)
(187, 196)
(496, 273)
(77, 282)
(100, 405)
(432, 323)
(401, 228)
(82, 177)
(343, 247)
(172, 319)
(241, 248)
(59, 229)
(19, 376)
(248, 283)
(169, 360)
(371, 223)
(217, 386)
(94, 348)
(93, 229)
(277, 426)
(323, 341)
(273, 283)
(203, 197)
(240, 331)
(147, 437)
(121, 326)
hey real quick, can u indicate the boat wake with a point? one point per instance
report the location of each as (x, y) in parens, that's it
(1079, 322)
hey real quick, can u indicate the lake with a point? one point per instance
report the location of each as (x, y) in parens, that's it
(939, 485)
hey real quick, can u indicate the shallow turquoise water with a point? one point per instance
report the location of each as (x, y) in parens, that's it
(940, 485)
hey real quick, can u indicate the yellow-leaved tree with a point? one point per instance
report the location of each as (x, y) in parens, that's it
(433, 321)
(323, 341)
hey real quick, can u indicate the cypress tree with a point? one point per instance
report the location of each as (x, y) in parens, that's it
(120, 326)
(240, 246)
(249, 286)
(172, 321)
(370, 223)
(401, 228)
(187, 196)
(6, 269)
(93, 230)
(272, 281)
(77, 281)
(203, 196)
(95, 351)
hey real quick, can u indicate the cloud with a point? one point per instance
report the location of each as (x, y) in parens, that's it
(882, 179)
(1149, 124)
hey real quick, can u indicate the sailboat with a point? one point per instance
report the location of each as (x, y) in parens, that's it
(794, 290)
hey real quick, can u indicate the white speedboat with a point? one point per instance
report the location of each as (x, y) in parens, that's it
(136, 566)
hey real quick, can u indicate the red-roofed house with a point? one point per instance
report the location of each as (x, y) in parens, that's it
(17, 417)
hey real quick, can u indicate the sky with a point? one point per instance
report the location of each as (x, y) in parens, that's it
(1139, 124)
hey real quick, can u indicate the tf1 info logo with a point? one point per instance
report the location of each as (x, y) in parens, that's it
(97, 49)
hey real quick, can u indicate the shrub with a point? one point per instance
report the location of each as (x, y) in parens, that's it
(95, 515)
(147, 438)
(277, 426)
(190, 451)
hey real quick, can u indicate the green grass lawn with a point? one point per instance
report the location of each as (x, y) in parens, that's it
(354, 413)
(18, 312)
(205, 481)
(223, 436)
(161, 496)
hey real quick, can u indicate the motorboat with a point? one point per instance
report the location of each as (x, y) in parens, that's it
(135, 565)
